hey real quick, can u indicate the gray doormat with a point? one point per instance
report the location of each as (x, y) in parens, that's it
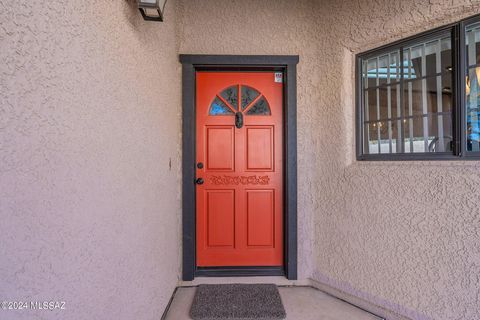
(237, 302)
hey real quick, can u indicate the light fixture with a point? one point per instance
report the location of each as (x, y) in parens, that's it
(152, 10)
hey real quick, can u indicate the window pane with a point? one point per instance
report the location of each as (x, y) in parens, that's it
(446, 55)
(433, 94)
(218, 108)
(388, 70)
(384, 102)
(388, 100)
(231, 96)
(473, 109)
(414, 135)
(438, 55)
(248, 95)
(439, 94)
(440, 133)
(473, 44)
(394, 67)
(428, 59)
(260, 108)
(396, 102)
(413, 62)
(371, 104)
(383, 69)
(372, 73)
(447, 92)
(371, 137)
(431, 133)
(384, 137)
(396, 135)
(413, 97)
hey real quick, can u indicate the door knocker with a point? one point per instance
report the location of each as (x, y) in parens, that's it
(239, 120)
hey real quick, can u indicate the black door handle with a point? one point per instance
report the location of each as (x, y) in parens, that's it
(199, 181)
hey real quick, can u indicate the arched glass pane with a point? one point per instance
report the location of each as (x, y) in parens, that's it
(219, 108)
(260, 108)
(248, 95)
(231, 96)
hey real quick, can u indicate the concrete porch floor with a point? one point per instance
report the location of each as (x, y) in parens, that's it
(301, 303)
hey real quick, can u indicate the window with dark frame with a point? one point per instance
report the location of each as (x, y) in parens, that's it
(410, 105)
(472, 92)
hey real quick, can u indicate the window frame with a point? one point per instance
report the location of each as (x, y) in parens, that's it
(466, 155)
(457, 31)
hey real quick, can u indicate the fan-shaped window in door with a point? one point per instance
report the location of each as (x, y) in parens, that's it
(231, 96)
(259, 108)
(248, 96)
(229, 101)
(219, 108)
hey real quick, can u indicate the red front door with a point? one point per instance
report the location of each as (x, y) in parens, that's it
(239, 159)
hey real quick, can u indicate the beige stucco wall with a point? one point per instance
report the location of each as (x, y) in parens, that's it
(401, 235)
(89, 159)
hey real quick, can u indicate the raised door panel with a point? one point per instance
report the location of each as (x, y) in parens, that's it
(220, 141)
(260, 148)
(260, 218)
(220, 209)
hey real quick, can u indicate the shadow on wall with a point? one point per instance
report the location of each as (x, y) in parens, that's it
(398, 311)
(132, 14)
(130, 11)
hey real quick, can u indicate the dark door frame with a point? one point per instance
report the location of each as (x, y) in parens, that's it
(288, 66)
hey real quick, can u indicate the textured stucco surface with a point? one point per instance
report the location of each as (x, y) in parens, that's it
(89, 156)
(89, 159)
(401, 235)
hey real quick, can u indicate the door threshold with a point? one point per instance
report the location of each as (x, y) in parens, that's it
(239, 271)
(277, 280)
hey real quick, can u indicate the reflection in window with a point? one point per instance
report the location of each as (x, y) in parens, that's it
(248, 95)
(388, 70)
(260, 108)
(428, 58)
(219, 108)
(407, 99)
(472, 87)
(231, 96)
(253, 103)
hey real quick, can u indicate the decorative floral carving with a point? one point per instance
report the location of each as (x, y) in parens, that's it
(245, 180)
